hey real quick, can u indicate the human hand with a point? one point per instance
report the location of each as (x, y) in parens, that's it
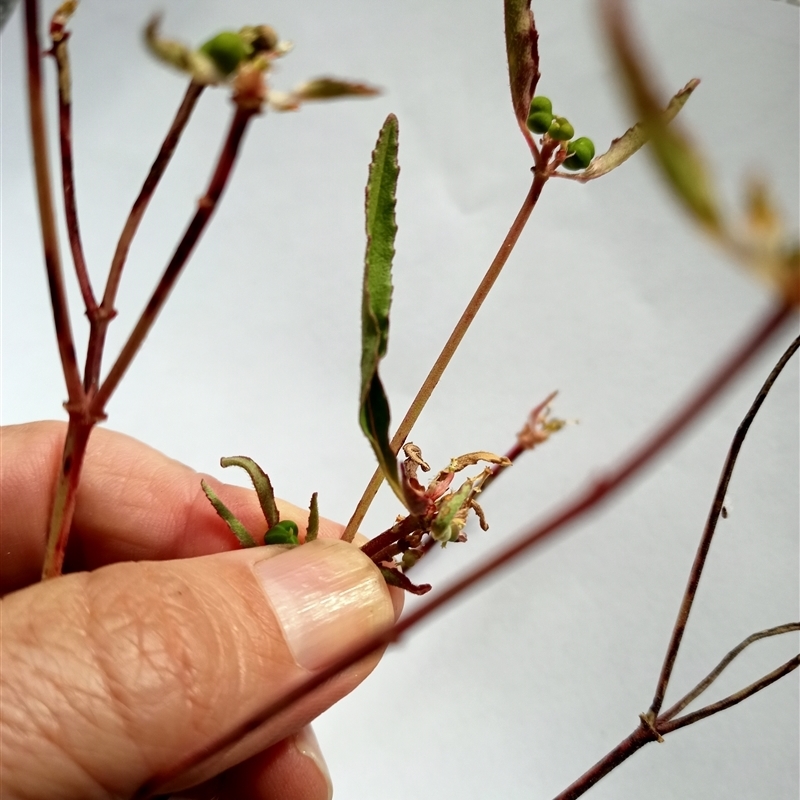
(173, 636)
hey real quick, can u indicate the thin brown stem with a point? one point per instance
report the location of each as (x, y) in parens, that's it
(689, 719)
(52, 257)
(708, 532)
(60, 53)
(586, 500)
(692, 695)
(206, 207)
(623, 751)
(78, 432)
(451, 345)
(106, 312)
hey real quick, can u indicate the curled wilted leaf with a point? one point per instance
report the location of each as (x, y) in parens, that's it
(312, 529)
(261, 483)
(331, 88)
(636, 137)
(199, 65)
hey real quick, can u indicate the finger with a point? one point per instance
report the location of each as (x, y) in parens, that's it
(293, 769)
(133, 503)
(115, 676)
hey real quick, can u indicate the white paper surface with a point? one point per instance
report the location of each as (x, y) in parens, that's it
(611, 297)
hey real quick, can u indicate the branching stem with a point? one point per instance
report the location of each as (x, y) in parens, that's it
(205, 209)
(710, 527)
(452, 344)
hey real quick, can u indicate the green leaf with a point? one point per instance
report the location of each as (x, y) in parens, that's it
(261, 483)
(283, 533)
(680, 162)
(636, 137)
(238, 530)
(522, 52)
(313, 520)
(374, 415)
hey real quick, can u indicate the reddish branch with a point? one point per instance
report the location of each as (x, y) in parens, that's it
(587, 500)
(52, 257)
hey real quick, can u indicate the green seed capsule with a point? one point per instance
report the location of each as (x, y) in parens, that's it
(541, 104)
(227, 50)
(581, 153)
(561, 130)
(285, 532)
(540, 121)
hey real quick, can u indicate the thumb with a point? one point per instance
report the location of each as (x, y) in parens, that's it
(113, 676)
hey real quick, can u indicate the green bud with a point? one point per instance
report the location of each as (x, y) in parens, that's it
(227, 50)
(540, 121)
(284, 532)
(541, 104)
(561, 130)
(581, 153)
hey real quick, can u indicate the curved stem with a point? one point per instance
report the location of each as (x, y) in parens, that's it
(451, 345)
(52, 257)
(708, 532)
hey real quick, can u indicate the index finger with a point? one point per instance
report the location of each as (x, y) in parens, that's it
(133, 503)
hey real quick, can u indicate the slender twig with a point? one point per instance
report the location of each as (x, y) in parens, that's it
(60, 53)
(106, 311)
(451, 345)
(588, 499)
(714, 708)
(692, 695)
(206, 206)
(651, 730)
(52, 257)
(708, 532)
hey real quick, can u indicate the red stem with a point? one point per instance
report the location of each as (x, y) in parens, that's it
(106, 311)
(206, 207)
(52, 257)
(587, 500)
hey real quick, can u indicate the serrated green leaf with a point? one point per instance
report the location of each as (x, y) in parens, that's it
(236, 527)
(635, 138)
(374, 415)
(680, 163)
(522, 52)
(261, 483)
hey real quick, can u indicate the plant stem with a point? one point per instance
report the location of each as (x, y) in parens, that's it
(206, 207)
(52, 257)
(78, 432)
(692, 695)
(708, 532)
(60, 53)
(451, 345)
(586, 500)
(106, 312)
(732, 700)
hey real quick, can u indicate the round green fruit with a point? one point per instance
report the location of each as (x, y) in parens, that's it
(540, 121)
(561, 130)
(581, 153)
(541, 103)
(227, 50)
(285, 532)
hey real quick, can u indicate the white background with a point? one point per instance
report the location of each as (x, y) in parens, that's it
(611, 297)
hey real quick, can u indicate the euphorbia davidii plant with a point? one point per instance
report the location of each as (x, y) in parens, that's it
(550, 153)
